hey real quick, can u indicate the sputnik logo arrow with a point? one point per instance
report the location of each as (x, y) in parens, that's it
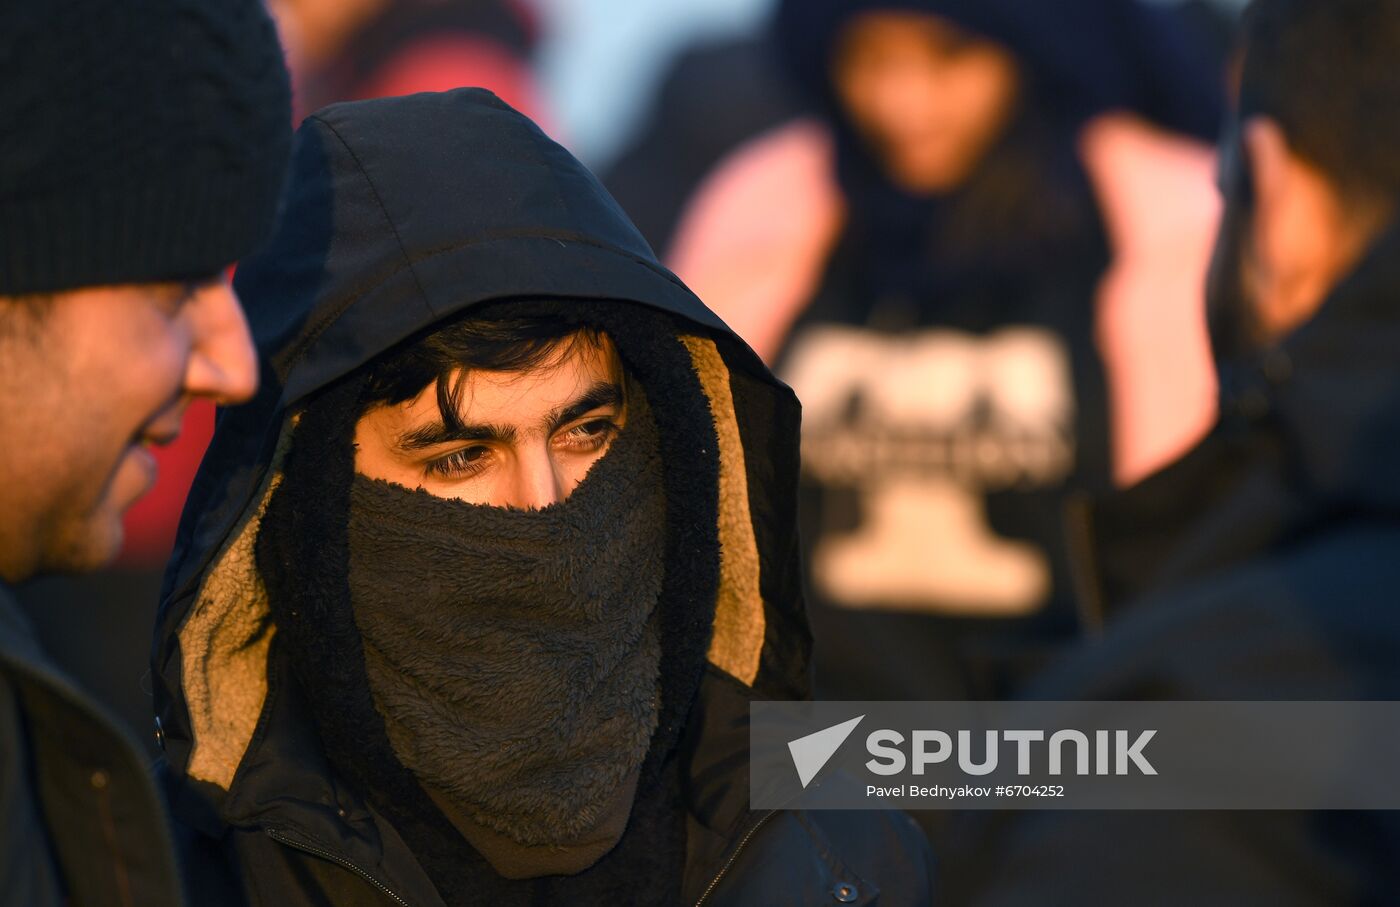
(812, 752)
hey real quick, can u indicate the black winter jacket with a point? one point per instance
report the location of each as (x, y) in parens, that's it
(80, 822)
(1264, 565)
(401, 213)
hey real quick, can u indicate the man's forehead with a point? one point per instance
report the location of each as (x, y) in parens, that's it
(560, 379)
(510, 404)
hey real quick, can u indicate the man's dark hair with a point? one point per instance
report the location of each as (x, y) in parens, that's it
(1329, 72)
(446, 355)
(24, 314)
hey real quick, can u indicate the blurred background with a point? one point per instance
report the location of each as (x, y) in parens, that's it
(971, 234)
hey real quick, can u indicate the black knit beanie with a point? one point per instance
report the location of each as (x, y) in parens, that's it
(140, 141)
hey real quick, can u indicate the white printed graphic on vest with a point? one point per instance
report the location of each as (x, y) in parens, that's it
(921, 426)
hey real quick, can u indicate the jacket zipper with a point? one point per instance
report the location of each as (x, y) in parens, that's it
(734, 855)
(281, 838)
(100, 782)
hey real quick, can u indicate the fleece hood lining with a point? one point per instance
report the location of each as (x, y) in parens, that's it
(226, 637)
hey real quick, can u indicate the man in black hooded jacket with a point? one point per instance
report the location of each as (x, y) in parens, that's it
(1263, 565)
(468, 606)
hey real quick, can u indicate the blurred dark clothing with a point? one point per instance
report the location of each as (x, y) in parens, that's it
(97, 628)
(950, 364)
(1211, 26)
(429, 45)
(1262, 566)
(713, 98)
(82, 823)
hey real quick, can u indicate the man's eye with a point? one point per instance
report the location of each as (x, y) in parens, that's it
(589, 436)
(460, 464)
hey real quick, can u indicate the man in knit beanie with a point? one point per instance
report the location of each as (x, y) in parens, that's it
(142, 149)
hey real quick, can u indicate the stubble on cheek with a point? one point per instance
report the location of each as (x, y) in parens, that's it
(90, 476)
(85, 520)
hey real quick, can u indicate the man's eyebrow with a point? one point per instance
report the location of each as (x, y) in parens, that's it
(436, 433)
(604, 393)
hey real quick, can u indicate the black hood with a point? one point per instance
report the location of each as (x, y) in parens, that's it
(402, 213)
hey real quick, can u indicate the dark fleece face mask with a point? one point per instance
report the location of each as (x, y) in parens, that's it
(513, 654)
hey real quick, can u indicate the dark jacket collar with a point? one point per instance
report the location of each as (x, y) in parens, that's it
(16, 635)
(1307, 435)
(20, 646)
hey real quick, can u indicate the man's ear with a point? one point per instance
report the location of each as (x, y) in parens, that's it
(1270, 165)
(1283, 229)
(1305, 236)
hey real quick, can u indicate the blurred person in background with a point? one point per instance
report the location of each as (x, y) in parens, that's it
(143, 153)
(470, 604)
(982, 271)
(719, 93)
(348, 50)
(1263, 564)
